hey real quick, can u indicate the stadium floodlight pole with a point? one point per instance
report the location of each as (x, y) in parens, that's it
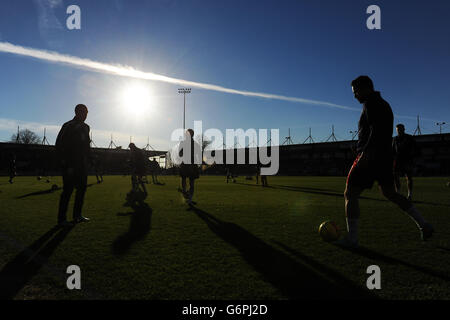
(440, 124)
(44, 140)
(111, 143)
(148, 146)
(332, 136)
(91, 142)
(418, 131)
(310, 138)
(288, 139)
(353, 133)
(184, 91)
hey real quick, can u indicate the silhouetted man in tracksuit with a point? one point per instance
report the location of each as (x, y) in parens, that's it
(191, 153)
(73, 146)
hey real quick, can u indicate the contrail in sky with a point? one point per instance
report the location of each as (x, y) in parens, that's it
(126, 71)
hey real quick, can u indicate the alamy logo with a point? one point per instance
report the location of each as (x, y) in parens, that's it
(374, 280)
(74, 280)
(189, 151)
(73, 22)
(374, 20)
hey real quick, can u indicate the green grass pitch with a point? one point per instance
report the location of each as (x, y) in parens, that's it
(241, 241)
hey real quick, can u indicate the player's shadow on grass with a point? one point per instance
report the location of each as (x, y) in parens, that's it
(294, 280)
(38, 193)
(431, 203)
(18, 272)
(325, 192)
(298, 188)
(140, 225)
(373, 255)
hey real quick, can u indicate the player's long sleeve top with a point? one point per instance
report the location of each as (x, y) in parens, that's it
(193, 148)
(404, 147)
(375, 126)
(73, 144)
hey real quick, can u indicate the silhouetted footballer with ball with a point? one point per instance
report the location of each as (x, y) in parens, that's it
(374, 161)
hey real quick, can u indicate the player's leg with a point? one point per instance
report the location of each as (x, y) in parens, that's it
(358, 179)
(191, 188)
(12, 175)
(68, 185)
(409, 183)
(134, 182)
(183, 184)
(81, 187)
(389, 192)
(352, 212)
(397, 181)
(142, 183)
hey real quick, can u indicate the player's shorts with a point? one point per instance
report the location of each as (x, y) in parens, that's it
(378, 168)
(402, 168)
(189, 171)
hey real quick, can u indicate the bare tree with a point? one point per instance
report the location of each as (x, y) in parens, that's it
(26, 137)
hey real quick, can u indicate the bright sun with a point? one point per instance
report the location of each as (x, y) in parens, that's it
(136, 99)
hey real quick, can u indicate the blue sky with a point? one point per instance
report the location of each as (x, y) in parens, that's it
(304, 49)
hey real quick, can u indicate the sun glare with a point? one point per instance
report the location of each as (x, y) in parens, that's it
(137, 99)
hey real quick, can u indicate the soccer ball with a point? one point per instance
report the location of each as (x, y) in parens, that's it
(329, 231)
(39, 178)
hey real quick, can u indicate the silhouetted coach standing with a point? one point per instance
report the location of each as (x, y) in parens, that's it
(73, 146)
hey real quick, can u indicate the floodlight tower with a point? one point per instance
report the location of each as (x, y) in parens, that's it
(440, 124)
(148, 146)
(354, 134)
(310, 138)
(44, 140)
(184, 91)
(288, 139)
(332, 137)
(269, 141)
(418, 131)
(111, 143)
(91, 142)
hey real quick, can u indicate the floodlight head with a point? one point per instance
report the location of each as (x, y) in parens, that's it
(184, 90)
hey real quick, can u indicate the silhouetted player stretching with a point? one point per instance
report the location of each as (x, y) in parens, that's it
(138, 162)
(405, 150)
(154, 169)
(73, 147)
(374, 160)
(190, 151)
